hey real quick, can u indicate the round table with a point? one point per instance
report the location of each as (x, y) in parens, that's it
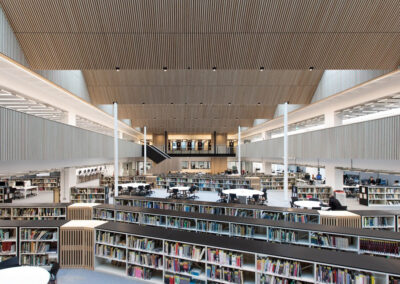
(308, 204)
(181, 188)
(24, 275)
(133, 184)
(243, 192)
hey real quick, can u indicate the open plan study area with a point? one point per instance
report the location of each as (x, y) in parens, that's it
(199, 142)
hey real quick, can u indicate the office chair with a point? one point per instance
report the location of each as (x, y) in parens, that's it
(147, 189)
(141, 190)
(8, 263)
(294, 199)
(233, 198)
(175, 193)
(53, 272)
(313, 199)
(131, 190)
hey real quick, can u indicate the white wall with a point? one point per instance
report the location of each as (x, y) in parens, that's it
(335, 81)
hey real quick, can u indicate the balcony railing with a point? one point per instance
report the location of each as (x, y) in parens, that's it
(219, 151)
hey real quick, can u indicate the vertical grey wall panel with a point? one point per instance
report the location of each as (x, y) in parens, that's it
(26, 137)
(371, 140)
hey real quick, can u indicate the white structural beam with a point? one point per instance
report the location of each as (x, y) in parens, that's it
(238, 153)
(285, 151)
(116, 149)
(20, 79)
(380, 87)
(145, 152)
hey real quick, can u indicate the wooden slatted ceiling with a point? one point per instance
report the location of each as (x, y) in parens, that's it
(187, 89)
(229, 34)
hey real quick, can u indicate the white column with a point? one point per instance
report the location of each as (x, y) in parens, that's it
(267, 168)
(285, 151)
(120, 135)
(115, 149)
(145, 151)
(334, 177)
(332, 119)
(70, 118)
(238, 153)
(67, 180)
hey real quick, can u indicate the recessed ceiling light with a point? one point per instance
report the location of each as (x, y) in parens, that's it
(258, 103)
(311, 68)
(117, 68)
(201, 103)
(154, 118)
(261, 68)
(189, 68)
(214, 68)
(143, 103)
(237, 117)
(165, 68)
(172, 103)
(229, 104)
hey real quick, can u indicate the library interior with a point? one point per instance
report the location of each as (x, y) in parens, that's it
(199, 142)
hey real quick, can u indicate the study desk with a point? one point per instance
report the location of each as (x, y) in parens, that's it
(24, 275)
(24, 189)
(307, 204)
(133, 184)
(243, 192)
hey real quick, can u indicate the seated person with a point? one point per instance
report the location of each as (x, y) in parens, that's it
(396, 183)
(372, 181)
(334, 204)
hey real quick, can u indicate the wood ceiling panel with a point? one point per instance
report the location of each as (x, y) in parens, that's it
(229, 34)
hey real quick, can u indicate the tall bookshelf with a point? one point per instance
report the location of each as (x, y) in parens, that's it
(5, 194)
(8, 243)
(379, 195)
(39, 211)
(276, 182)
(322, 192)
(89, 194)
(39, 245)
(171, 256)
(47, 183)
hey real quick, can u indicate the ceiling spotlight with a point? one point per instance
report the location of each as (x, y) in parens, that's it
(229, 104)
(143, 103)
(261, 68)
(172, 103)
(311, 68)
(214, 68)
(117, 68)
(237, 117)
(201, 103)
(189, 68)
(154, 118)
(258, 103)
(165, 68)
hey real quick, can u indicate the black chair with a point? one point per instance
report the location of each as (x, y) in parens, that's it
(8, 263)
(254, 199)
(233, 198)
(131, 190)
(53, 272)
(147, 189)
(294, 199)
(120, 189)
(141, 190)
(192, 190)
(175, 193)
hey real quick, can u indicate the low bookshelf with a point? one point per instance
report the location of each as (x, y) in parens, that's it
(160, 255)
(322, 192)
(360, 241)
(228, 209)
(379, 195)
(89, 194)
(47, 183)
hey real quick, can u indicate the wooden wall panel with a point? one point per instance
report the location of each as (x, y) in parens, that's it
(230, 34)
(77, 248)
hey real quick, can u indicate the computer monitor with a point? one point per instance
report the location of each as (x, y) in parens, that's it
(3, 183)
(19, 183)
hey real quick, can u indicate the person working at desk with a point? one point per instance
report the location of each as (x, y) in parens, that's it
(334, 204)
(396, 183)
(372, 181)
(319, 177)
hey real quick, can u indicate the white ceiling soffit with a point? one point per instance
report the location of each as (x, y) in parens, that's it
(22, 80)
(374, 89)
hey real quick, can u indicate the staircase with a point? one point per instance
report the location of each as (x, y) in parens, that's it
(155, 154)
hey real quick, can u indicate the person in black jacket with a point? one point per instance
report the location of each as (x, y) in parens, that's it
(334, 204)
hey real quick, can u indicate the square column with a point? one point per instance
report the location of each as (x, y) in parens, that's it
(67, 180)
(332, 119)
(334, 177)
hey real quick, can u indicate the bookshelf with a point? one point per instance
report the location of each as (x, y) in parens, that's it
(89, 194)
(8, 243)
(355, 240)
(47, 184)
(379, 195)
(109, 181)
(229, 209)
(276, 182)
(39, 211)
(322, 192)
(377, 219)
(160, 255)
(5, 194)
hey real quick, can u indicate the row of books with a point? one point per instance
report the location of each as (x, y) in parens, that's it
(104, 214)
(327, 274)
(52, 211)
(375, 221)
(34, 247)
(38, 211)
(243, 230)
(177, 265)
(279, 266)
(5, 212)
(270, 279)
(379, 246)
(394, 280)
(282, 235)
(38, 234)
(143, 244)
(207, 226)
(139, 272)
(327, 240)
(239, 212)
(225, 257)
(109, 251)
(227, 274)
(6, 234)
(184, 250)
(129, 217)
(35, 260)
(177, 279)
(7, 247)
(154, 220)
(111, 238)
(77, 190)
(181, 223)
(145, 259)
